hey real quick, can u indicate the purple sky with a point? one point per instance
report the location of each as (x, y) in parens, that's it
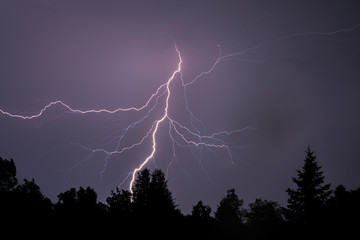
(294, 82)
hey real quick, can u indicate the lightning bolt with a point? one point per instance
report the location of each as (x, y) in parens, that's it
(174, 126)
(179, 134)
(157, 123)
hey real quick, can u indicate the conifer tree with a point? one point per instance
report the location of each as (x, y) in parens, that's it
(306, 201)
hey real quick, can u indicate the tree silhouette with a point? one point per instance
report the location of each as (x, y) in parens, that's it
(306, 201)
(8, 178)
(230, 215)
(311, 210)
(78, 213)
(263, 212)
(31, 202)
(68, 198)
(161, 200)
(264, 219)
(343, 213)
(119, 204)
(151, 195)
(85, 197)
(31, 191)
(201, 211)
(22, 201)
(230, 210)
(152, 203)
(78, 205)
(8, 197)
(141, 191)
(201, 224)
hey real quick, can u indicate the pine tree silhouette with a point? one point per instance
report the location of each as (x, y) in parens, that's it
(305, 202)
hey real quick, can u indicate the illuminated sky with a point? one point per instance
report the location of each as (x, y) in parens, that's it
(291, 79)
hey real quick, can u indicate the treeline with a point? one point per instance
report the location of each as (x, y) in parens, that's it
(150, 211)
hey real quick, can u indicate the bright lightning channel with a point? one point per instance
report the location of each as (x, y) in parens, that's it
(158, 122)
(175, 127)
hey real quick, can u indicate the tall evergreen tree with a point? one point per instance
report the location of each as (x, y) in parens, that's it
(151, 195)
(306, 201)
(141, 191)
(161, 200)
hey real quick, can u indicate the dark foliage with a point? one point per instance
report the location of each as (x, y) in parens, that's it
(342, 213)
(150, 211)
(201, 211)
(230, 213)
(306, 202)
(78, 204)
(229, 210)
(120, 204)
(264, 219)
(22, 206)
(8, 178)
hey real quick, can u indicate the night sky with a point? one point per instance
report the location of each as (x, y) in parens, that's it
(291, 79)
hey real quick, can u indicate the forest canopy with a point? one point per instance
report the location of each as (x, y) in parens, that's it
(314, 209)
